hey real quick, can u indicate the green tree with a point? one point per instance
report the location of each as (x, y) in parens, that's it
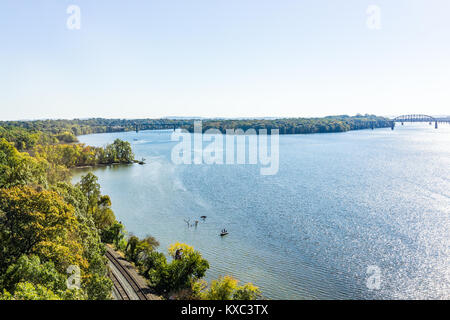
(115, 234)
(28, 291)
(17, 169)
(67, 137)
(119, 152)
(98, 287)
(30, 269)
(103, 215)
(99, 207)
(91, 189)
(137, 250)
(180, 273)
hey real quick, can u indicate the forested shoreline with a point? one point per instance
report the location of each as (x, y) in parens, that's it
(49, 228)
(29, 133)
(298, 125)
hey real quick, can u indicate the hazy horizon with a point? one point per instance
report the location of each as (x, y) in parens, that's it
(206, 118)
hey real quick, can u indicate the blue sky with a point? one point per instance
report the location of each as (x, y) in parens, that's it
(233, 58)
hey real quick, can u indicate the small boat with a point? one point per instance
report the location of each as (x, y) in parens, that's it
(223, 233)
(203, 217)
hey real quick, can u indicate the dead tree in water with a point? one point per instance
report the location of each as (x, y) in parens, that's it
(188, 222)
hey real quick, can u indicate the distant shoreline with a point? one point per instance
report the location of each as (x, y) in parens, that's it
(79, 127)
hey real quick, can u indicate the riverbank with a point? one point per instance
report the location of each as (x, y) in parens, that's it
(77, 127)
(100, 165)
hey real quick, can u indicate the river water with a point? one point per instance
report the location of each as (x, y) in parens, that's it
(355, 215)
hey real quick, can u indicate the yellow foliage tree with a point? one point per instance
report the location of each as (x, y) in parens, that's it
(39, 222)
(226, 288)
(186, 250)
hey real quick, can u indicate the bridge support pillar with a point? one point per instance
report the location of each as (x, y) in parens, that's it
(436, 125)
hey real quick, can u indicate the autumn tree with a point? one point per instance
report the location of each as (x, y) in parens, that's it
(41, 223)
(95, 282)
(226, 288)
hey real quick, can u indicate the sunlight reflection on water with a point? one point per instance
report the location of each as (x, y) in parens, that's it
(340, 203)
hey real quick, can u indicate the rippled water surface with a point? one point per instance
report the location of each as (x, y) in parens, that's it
(339, 203)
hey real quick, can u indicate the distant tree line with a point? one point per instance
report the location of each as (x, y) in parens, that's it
(26, 134)
(65, 131)
(299, 125)
(25, 139)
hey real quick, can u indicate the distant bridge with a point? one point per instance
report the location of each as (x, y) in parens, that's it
(419, 118)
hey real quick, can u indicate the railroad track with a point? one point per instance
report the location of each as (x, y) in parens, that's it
(124, 272)
(119, 287)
